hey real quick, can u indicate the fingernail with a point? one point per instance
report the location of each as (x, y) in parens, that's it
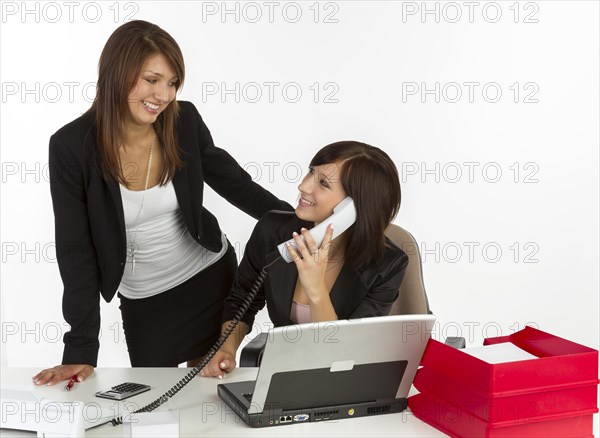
(79, 379)
(223, 365)
(302, 229)
(220, 377)
(294, 234)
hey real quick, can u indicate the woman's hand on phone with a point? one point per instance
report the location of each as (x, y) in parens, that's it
(222, 362)
(311, 262)
(52, 376)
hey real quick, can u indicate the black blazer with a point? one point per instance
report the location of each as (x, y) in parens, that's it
(90, 224)
(370, 291)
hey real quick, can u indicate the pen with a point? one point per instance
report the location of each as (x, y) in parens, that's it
(71, 383)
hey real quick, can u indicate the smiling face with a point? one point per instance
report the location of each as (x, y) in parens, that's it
(154, 90)
(320, 191)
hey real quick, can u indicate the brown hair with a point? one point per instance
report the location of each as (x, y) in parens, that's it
(119, 67)
(370, 178)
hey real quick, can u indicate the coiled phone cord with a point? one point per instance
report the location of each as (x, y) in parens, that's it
(194, 372)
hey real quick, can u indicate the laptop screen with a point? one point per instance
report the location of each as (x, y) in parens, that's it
(338, 362)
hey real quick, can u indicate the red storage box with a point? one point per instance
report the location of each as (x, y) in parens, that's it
(553, 395)
(454, 421)
(514, 407)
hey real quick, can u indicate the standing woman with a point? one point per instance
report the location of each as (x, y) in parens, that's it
(127, 183)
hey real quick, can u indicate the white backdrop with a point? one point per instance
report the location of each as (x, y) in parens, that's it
(489, 109)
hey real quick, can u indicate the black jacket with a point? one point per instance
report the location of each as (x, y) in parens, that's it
(90, 224)
(370, 291)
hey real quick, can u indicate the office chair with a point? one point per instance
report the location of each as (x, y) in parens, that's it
(412, 298)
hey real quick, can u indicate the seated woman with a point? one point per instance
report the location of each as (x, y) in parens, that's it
(356, 275)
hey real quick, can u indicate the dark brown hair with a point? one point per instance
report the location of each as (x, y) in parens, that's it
(119, 67)
(370, 178)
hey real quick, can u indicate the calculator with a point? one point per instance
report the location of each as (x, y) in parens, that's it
(123, 391)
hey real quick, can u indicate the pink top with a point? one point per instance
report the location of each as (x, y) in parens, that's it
(300, 313)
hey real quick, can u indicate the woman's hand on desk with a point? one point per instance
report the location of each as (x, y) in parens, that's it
(221, 363)
(52, 376)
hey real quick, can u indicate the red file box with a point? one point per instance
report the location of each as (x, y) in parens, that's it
(544, 396)
(508, 407)
(454, 421)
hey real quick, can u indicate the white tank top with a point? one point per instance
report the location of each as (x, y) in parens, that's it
(300, 313)
(166, 255)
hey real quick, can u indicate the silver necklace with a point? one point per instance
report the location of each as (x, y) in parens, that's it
(131, 246)
(329, 268)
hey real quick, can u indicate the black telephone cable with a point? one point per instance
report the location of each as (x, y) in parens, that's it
(194, 372)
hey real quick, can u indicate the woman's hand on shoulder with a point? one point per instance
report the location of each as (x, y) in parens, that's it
(52, 376)
(222, 362)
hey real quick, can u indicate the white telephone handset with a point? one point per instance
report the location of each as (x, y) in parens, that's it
(344, 215)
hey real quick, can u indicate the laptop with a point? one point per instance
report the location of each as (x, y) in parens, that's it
(332, 370)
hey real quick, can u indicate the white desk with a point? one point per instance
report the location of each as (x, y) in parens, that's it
(201, 411)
